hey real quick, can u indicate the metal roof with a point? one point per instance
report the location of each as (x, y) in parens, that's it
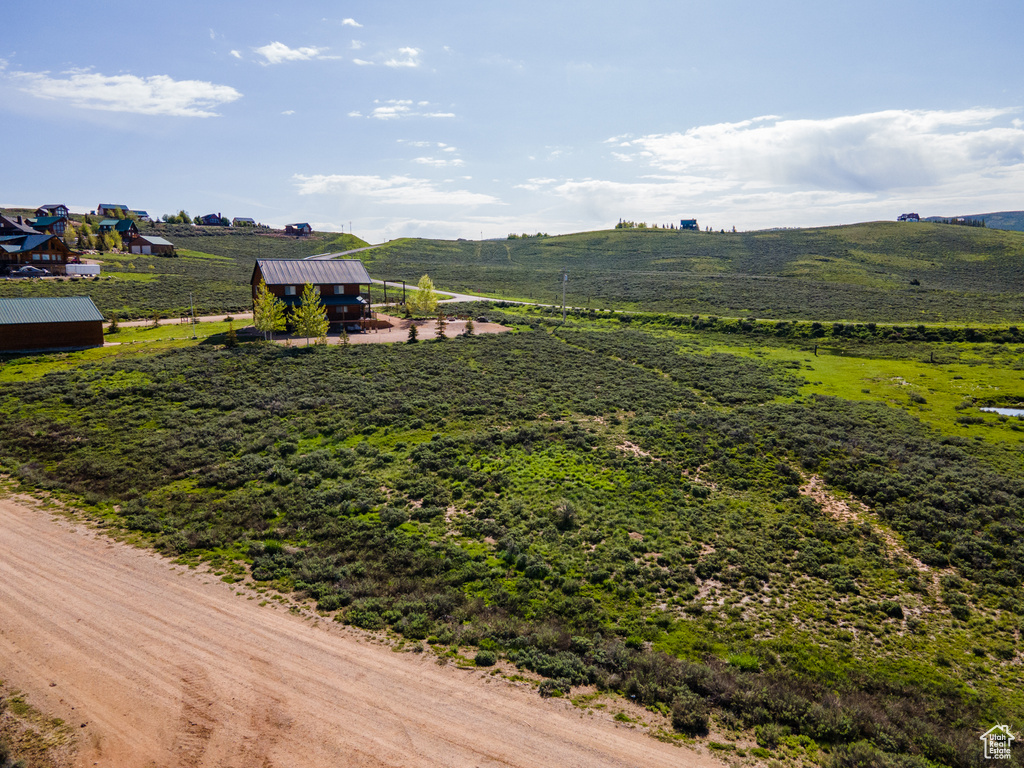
(152, 240)
(23, 243)
(66, 309)
(300, 271)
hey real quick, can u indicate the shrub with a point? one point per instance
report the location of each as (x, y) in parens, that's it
(689, 713)
(485, 658)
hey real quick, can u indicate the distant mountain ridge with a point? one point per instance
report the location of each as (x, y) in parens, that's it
(1011, 220)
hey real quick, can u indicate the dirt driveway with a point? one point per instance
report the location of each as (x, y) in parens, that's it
(426, 330)
(167, 668)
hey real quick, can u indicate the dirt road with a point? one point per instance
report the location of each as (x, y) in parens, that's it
(167, 668)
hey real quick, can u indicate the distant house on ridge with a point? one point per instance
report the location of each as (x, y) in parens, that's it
(124, 227)
(50, 225)
(339, 282)
(110, 209)
(54, 209)
(243, 221)
(298, 229)
(688, 224)
(908, 217)
(211, 220)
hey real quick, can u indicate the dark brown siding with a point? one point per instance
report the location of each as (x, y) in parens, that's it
(25, 336)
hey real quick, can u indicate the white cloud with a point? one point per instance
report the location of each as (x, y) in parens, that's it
(350, 23)
(156, 95)
(357, 45)
(392, 109)
(396, 190)
(407, 57)
(278, 53)
(236, 54)
(860, 153)
(362, 62)
(534, 185)
(288, 112)
(439, 162)
(770, 171)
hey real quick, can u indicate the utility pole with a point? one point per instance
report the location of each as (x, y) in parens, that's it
(565, 279)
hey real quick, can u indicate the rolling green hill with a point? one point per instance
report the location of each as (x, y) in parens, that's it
(1010, 220)
(213, 267)
(871, 272)
(877, 271)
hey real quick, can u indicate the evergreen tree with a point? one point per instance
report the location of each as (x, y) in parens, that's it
(232, 337)
(311, 316)
(469, 327)
(413, 335)
(440, 326)
(268, 312)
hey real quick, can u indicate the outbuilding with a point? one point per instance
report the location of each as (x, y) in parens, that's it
(68, 322)
(150, 244)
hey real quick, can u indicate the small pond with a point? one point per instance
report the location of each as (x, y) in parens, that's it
(1018, 412)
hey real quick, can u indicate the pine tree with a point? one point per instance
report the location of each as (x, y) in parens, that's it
(311, 316)
(232, 337)
(469, 327)
(441, 326)
(413, 335)
(268, 312)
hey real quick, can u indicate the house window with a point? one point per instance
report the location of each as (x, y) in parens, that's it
(289, 290)
(35, 257)
(316, 289)
(339, 290)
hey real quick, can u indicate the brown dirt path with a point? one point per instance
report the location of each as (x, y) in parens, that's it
(166, 668)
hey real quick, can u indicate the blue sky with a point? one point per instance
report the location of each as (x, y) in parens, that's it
(462, 119)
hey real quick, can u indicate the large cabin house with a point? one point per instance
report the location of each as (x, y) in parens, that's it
(112, 209)
(47, 252)
(53, 209)
(50, 225)
(124, 227)
(340, 283)
(298, 229)
(15, 226)
(67, 322)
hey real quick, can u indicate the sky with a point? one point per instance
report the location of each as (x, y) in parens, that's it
(477, 119)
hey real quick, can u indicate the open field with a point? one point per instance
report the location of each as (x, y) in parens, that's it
(673, 514)
(882, 272)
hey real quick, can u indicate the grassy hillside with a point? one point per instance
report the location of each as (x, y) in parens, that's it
(214, 266)
(860, 272)
(1010, 220)
(757, 543)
